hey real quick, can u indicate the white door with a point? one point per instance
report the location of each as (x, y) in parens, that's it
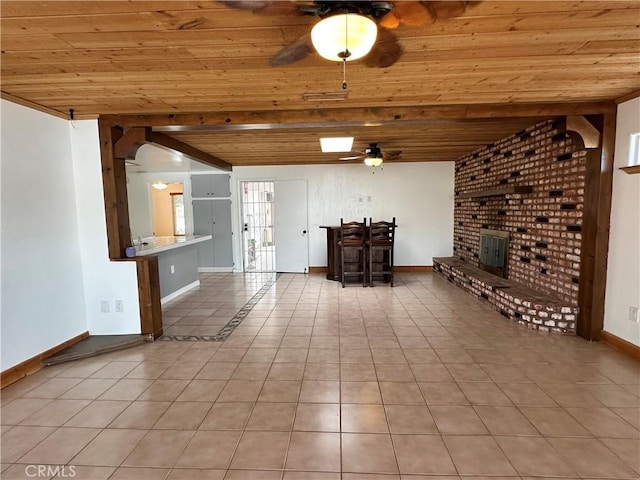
(291, 229)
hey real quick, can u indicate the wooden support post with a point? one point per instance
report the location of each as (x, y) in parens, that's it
(149, 295)
(114, 184)
(595, 229)
(114, 180)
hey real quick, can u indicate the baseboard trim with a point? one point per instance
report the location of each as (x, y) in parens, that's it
(215, 270)
(34, 364)
(179, 292)
(413, 268)
(400, 268)
(621, 344)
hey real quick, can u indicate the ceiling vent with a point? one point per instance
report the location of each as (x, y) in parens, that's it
(324, 96)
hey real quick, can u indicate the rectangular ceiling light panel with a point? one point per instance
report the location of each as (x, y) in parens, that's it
(336, 144)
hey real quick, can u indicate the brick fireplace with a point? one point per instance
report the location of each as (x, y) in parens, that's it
(531, 186)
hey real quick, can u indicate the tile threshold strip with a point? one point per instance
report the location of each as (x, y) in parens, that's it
(231, 325)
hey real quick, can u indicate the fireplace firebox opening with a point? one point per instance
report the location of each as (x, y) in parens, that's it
(494, 251)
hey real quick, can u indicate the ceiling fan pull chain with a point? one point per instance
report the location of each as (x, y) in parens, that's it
(344, 73)
(346, 53)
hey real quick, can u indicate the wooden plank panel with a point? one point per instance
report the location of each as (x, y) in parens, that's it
(203, 20)
(52, 8)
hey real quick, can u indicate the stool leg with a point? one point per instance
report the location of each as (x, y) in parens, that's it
(364, 266)
(342, 266)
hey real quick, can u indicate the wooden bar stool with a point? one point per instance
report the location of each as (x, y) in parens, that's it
(352, 250)
(381, 239)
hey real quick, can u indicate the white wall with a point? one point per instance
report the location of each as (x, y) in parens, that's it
(43, 301)
(419, 195)
(103, 279)
(623, 269)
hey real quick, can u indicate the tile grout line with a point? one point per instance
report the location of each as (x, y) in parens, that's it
(232, 324)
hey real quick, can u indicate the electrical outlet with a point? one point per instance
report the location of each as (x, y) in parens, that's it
(119, 306)
(173, 269)
(104, 306)
(633, 314)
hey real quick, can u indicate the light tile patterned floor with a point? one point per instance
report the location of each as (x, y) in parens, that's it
(419, 381)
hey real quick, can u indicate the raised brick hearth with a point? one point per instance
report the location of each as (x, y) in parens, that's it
(519, 303)
(531, 185)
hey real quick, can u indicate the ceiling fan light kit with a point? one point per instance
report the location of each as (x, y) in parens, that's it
(344, 36)
(159, 185)
(373, 161)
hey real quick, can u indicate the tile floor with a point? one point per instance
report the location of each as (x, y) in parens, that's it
(414, 382)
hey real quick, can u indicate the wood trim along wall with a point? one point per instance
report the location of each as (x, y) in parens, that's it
(33, 105)
(34, 364)
(629, 96)
(403, 268)
(621, 344)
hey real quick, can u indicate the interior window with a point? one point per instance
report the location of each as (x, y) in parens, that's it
(177, 200)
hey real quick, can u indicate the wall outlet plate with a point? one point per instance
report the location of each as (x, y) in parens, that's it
(104, 306)
(634, 315)
(119, 306)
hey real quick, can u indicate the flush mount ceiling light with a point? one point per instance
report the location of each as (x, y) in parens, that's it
(159, 185)
(344, 36)
(336, 144)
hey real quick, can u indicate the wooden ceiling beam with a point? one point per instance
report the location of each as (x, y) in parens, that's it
(164, 141)
(332, 117)
(134, 137)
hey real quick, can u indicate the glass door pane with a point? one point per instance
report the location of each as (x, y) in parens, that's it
(257, 221)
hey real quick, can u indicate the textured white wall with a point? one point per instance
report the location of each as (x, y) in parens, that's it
(419, 195)
(43, 301)
(103, 279)
(623, 269)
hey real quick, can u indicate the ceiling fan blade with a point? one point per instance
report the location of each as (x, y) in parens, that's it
(390, 20)
(294, 52)
(448, 9)
(264, 7)
(393, 155)
(386, 51)
(415, 14)
(351, 158)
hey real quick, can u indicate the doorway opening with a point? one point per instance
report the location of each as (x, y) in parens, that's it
(168, 209)
(258, 241)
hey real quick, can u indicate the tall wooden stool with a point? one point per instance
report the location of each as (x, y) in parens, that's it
(381, 239)
(352, 250)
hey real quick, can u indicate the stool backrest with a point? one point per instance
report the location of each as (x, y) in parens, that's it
(353, 232)
(382, 232)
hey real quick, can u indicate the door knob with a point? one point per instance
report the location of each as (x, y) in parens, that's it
(304, 232)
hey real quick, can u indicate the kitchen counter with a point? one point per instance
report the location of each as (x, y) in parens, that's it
(160, 244)
(177, 262)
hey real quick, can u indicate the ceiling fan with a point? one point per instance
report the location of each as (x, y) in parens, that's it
(374, 157)
(386, 49)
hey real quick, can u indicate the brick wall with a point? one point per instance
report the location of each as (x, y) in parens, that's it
(545, 225)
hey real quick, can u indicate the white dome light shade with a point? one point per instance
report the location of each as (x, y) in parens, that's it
(373, 161)
(333, 35)
(159, 185)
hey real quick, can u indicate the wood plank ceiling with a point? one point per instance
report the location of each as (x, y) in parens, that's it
(165, 58)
